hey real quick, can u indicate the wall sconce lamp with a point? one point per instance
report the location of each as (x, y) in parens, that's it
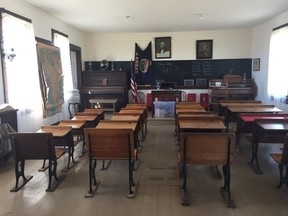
(10, 55)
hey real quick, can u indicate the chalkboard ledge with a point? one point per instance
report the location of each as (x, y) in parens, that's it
(143, 87)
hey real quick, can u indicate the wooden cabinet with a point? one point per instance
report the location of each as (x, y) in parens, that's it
(224, 90)
(218, 90)
(105, 85)
(243, 90)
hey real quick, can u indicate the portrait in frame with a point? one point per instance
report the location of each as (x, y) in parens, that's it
(204, 49)
(162, 47)
(256, 64)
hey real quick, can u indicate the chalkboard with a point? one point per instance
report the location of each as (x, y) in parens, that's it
(178, 71)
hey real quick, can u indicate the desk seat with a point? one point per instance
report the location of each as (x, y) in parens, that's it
(110, 144)
(207, 149)
(35, 146)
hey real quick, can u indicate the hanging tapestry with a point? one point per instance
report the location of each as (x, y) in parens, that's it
(143, 65)
(51, 78)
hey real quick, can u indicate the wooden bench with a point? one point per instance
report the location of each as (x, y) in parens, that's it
(35, 146)
(207, 149)
(110, 144)
(282, 160)
(100, 101)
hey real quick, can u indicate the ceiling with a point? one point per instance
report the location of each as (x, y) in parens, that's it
(161, 15)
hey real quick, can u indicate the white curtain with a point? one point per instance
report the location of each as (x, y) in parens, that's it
(63, 43)
(278, 65)
(22, 78)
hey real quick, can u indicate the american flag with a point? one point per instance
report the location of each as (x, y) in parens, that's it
(133, 85)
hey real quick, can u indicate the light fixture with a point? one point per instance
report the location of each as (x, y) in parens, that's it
(201, 16)
(10, 55)
(127, 18)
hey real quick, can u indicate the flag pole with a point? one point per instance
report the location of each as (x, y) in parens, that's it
(133, 85)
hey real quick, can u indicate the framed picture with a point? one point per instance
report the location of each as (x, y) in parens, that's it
(162, 47)
(204, 49)
(201, 82)
(188, 82)
(256, 64)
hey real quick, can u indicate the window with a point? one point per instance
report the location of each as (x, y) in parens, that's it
(21, 74)
(62, 41)
(278, 67)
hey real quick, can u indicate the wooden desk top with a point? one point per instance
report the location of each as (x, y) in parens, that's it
(187, 106)
(205, 124)
(126, 117)
(75, 124)
(57, 131)
(240, 101)
(251, 109)
(246, 104)
(143, 106)
(251, 117)
(96, 111)
(273, 124)
(191, 115)
(117, 125)
(85, 118)
(190, 110)
(134, 111)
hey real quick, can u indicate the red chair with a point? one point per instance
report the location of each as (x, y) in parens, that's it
(191, 97)
(149, 101)
(204, 100)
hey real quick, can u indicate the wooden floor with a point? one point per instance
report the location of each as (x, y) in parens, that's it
(158, 191)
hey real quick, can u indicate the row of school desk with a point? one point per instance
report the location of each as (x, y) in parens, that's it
(63, 138)
(67, 134)
(265, 123)
(203, 139)
(117, 139)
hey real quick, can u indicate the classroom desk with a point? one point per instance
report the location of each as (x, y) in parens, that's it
(190, 110)
(233, 111)
(91, 120)
(121, 124)
(189, 115)
(139, 107)
(202, 124)
(186, 105)
(143, 122)
(245, 122)
(117, 124)
(98, 111)
(63, 137)
(270, 128)
(77, 130)
(224, 103)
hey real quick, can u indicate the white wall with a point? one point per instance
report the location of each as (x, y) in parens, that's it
(260, 49)
(227, 44)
